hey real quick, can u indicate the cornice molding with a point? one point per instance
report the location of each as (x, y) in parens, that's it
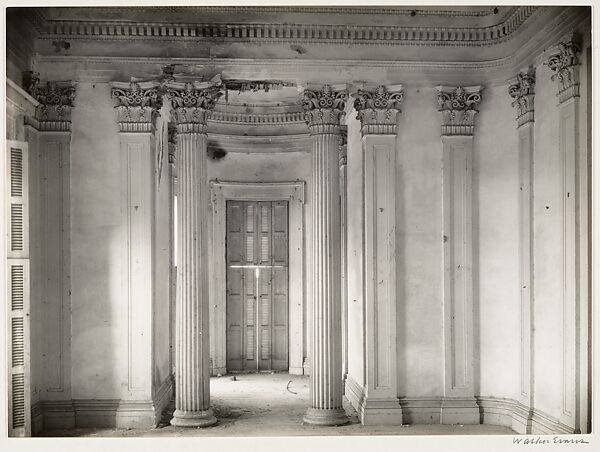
(458, 106)
(563, 61)
(285, 33)
(53, 114)
(192, 103)
(378, 109)
(137, 105)
(315, 9)
(522, 89)
(324, 109)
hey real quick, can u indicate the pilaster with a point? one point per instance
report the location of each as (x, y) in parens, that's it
(137, 105)
(191, 105)
(458, 106)
(522, 90)
(324, 109)
(378, 112)
(343, 145)
(564, 62)
(50, 164)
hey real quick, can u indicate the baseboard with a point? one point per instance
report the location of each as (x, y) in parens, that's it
(218, 371)
(544, 424)
(37, 418)
(459, 410)
(306, 366)
(372, 411)
(296, 370)
(58, 414)
(83, 413)
(163, 396)
(421, 410)
(505, 412)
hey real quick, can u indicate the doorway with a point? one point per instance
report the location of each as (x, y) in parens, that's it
(257, 286)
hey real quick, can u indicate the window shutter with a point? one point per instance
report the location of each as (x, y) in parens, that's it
(19, 400)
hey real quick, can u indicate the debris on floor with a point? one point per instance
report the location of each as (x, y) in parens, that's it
(234, 378)
(288, 387)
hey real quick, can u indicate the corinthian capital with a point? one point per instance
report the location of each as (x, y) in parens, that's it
(324, 109)
(378, 110)
(522, 90)
(192, 104)
(56, 100)
(564, 63)
(459, 107)
(137, 105)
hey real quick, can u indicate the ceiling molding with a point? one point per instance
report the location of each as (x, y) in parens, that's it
(287, 33)
(342, 9)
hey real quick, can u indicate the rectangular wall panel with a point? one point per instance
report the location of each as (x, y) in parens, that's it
(458, 285)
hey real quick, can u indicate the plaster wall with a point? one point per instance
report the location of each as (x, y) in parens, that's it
(496, 246)
(162, 251)
(98, 354)
(419, 246)
(355, 251)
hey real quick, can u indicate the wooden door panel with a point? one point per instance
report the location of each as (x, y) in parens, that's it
(257, 296)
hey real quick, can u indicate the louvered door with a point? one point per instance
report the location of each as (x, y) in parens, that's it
(19, 403)
(257, 286)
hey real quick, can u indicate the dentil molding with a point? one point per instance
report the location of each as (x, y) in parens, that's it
(285, 32)
(378, 110)
(522, 90)
(458, 106)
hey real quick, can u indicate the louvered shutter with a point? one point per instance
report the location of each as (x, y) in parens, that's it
(19, 401)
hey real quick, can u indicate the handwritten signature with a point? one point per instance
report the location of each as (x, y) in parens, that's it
(540, 440)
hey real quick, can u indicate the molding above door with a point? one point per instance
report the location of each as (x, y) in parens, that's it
(220, 193)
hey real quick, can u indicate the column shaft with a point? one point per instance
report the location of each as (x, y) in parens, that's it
(326, 351)
(192, 401)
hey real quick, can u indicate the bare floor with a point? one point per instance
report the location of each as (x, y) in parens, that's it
(273, 405)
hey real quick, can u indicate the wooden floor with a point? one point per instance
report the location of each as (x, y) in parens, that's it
(268, 405)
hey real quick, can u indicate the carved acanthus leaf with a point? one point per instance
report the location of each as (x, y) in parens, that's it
(137, 105)
(459, 107)
(378, 110)
(564, 63)
(192, 104)
(56, 100)
(324, 109)
(523, 91)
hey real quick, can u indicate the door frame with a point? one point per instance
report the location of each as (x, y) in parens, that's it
(220, 193)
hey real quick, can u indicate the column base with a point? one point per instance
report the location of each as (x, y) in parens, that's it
(456, 410)
(381, 412)
(193, 418)
(318, 416)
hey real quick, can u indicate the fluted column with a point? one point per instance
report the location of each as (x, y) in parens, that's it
(192, 104)
(324, 109)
